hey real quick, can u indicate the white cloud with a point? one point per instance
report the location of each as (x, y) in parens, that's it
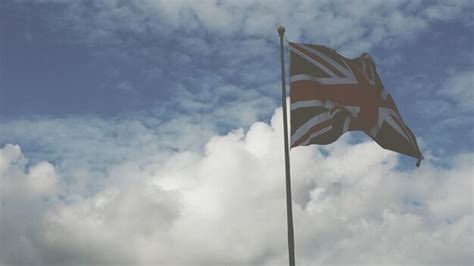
(348, 25)
(196, 48)
(25, 194)
(38, 180)
(226, 206)
(458, 87)
(445, 10)
(142, 191)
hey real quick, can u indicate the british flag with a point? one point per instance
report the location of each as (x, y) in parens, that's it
(331, 95)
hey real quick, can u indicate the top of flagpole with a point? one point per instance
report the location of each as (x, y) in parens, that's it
(281, 31)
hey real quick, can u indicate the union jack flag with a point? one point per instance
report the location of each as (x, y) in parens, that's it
(331, 95)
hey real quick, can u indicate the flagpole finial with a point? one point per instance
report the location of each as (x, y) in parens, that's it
(281, 30)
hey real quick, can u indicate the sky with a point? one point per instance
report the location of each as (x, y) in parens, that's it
(149, 132)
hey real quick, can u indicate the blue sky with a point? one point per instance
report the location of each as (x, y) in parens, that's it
(98, 95)
(61, 59)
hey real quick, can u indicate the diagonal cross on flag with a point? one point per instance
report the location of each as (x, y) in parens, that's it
(331, 95)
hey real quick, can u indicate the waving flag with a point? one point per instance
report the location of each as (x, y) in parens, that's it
(331, 95)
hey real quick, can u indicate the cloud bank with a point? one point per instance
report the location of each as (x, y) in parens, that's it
(226, 206)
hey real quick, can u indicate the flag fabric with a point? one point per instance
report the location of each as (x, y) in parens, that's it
(331, 95)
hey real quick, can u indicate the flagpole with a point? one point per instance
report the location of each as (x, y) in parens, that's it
(289, 211)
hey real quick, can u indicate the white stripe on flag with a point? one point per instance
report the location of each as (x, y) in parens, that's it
(336, 80)
(317, 133)
(303, 129)
(314, 62)
(353, 110)
(304, 104)
(347, 122)
(344, 70)
(385, 115)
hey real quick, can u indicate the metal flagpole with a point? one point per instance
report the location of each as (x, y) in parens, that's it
(289, 211)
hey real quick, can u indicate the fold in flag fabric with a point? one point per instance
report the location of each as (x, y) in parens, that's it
(331, 95)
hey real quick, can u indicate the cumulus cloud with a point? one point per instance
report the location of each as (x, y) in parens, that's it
(25, 194)
(226, 206)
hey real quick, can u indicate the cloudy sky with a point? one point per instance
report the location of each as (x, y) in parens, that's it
(149, 132)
